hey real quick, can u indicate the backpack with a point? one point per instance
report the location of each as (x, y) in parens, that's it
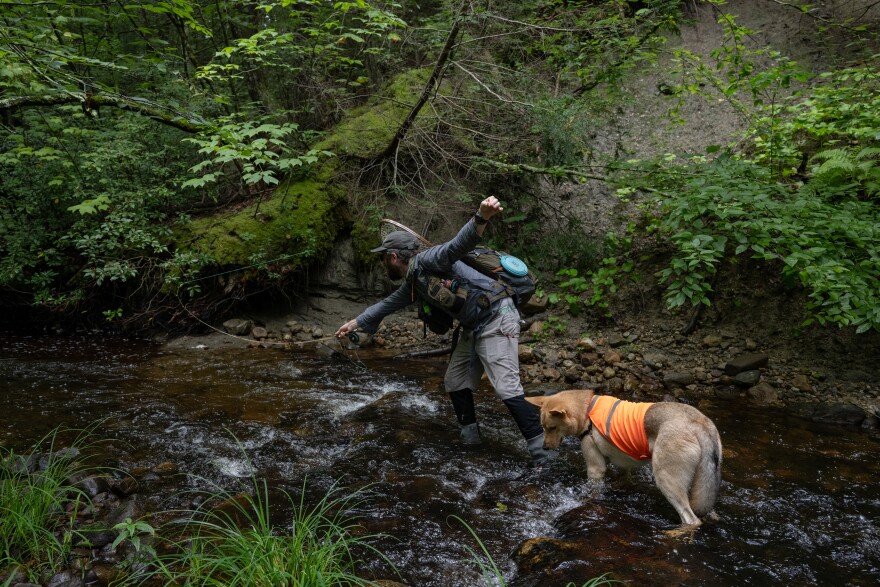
(519, 281)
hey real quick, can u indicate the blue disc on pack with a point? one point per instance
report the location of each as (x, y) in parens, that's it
(514, 266)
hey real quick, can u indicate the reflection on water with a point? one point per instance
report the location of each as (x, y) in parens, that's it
(799, 505)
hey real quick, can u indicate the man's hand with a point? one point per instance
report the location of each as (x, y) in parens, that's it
(347, 328)
(490, 207)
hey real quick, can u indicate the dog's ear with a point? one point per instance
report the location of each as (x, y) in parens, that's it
(558, 412)
(537, 400)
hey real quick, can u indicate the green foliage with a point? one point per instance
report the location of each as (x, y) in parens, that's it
(801, 194)
(38, 507)
(261, 153)
(827, 239)
(132, 532)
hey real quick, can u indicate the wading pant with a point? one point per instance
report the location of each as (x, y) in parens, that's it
(497, 354)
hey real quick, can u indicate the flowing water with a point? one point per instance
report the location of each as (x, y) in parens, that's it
(800, 503)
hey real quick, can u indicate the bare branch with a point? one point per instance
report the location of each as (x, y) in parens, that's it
(426, 92)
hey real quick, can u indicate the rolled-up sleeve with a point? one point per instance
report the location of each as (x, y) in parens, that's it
(370, 319)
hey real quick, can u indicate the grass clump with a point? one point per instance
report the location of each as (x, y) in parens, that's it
(38, 508)
(231, 541)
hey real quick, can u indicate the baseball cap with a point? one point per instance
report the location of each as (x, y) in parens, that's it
(398, 239)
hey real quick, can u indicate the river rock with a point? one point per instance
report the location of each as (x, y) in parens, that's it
(677, 379)
(763, 393)
(259, 332)
(831, 413)
(711, 341)
(747, 378)
(65, 578)
(801, 382)
(536, 554)
(238, 326)
(124, 487)
(748, 362)
(611, 357)
(166, 468)
(615, 340)
(586, 344)
(526, 354)
(93, 484)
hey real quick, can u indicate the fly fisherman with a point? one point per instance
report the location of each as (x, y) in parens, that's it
(490, 323)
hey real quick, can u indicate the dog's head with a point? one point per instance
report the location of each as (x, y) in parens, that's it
(560, 416)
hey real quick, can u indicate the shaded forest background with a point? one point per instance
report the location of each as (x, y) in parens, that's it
(163, 158)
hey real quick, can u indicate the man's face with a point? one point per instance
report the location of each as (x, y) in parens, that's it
(393, 266)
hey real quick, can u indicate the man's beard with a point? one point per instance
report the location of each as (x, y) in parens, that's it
(395, 273)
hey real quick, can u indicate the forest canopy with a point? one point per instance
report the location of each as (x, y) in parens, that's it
(207, 151)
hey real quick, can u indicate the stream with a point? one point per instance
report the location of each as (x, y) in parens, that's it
(799, 504)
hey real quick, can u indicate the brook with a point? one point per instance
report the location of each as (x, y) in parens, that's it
(799, 504)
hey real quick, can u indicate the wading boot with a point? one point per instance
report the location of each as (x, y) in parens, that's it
(541, 457)
(463, 403)
(470, 435)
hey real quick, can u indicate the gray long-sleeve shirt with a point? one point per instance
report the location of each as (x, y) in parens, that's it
(441, 259)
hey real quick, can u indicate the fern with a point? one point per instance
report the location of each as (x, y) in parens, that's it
(838, 163)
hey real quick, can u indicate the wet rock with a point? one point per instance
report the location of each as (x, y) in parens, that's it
(763, 393)
(166, 468)
(611, 357)
(588, 359)
(801, 382)
(65, 579)
(748, 362)
(655, 360)
(238, 326)
(106, 574)
(747, 378)
(93, 485)
(677, 379)
(124, 487)
(526, 354)
(536, 554)
(551, 374)
(711, 341)
(96, 536)
(631, 383)
(727, 392)
(616, 340)
(259, 333)
(586, 344)
(831, 413)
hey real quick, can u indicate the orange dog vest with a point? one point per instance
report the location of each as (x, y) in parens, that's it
(621, 422)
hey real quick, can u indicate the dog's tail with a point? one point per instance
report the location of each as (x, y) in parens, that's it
(707, 477)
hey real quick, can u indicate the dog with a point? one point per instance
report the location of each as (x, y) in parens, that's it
(681, 443)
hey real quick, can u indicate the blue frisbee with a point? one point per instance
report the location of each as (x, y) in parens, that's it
(514, 266)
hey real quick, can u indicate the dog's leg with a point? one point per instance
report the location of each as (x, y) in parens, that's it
(675, 459)
(593, 458)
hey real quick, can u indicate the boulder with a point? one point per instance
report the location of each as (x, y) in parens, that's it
(238, 326)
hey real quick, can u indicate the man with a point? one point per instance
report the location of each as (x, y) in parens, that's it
(490, 323)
